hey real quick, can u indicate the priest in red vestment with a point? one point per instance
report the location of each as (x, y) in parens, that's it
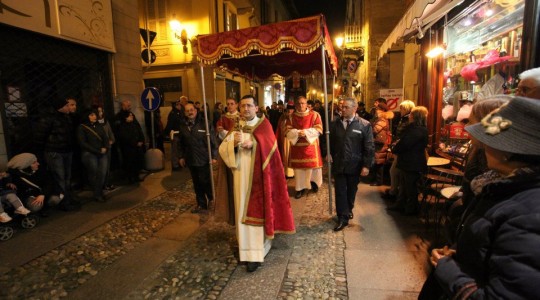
(261, 199)
(304, 127)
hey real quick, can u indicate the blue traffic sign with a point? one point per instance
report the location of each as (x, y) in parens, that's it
(150, 99)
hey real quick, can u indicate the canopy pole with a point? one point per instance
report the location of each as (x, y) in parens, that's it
(327, 133)
(333, 92)
(208, 136)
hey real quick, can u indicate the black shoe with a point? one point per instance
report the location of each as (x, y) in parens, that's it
(252, 266)
(341, 225)
(299, 194)
(351, 215)
(314, 187)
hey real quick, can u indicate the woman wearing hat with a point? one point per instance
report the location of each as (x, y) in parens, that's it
(496, 253)
(94, 144)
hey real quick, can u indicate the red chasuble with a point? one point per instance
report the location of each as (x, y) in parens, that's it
(303, 154)
(269, 203)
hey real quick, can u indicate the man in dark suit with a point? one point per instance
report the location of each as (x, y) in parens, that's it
(352, 154)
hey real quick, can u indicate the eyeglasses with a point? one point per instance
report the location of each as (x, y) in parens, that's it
(525, 90)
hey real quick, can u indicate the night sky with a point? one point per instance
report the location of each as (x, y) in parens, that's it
(333, 11)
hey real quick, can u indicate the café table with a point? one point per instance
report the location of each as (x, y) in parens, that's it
(434, 161)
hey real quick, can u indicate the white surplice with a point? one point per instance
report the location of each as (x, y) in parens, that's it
(252, 244)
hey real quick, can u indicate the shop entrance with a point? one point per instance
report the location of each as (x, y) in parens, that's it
(36, 70)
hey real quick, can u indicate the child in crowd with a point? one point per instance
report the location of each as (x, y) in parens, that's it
(8, 195)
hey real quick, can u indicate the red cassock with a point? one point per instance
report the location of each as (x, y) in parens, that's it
(303, 154)
(227, 121)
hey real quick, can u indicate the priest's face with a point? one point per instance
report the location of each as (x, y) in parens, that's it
(248, 109)
(301, 104)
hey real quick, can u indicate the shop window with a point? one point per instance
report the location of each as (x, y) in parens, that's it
(483, 51)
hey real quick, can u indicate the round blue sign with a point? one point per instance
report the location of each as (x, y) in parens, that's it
(150, 99)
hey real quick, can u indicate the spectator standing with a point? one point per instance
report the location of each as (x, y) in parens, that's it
(404, 110)
(412, 161)
(55, 136)
(361, 111)
(110, 136)
(94, 145)
(216, 114)
(351, 154)
(158, 129)
(193, 153)
(131, 143)
(262, 205)
(174, 119)
(303, 130)
(382, 136)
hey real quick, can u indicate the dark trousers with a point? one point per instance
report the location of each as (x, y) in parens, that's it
(408, 190)
(201, 184)
(96, 168)
(346, 187)
(59, 165)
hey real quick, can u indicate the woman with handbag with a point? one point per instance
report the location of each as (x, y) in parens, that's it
(94, 145)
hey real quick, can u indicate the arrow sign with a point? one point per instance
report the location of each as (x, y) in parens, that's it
(150, 99)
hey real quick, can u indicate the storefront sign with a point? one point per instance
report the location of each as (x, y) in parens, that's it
(85, 22)
(393, 97)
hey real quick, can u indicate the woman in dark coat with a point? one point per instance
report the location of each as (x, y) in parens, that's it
(94, 144)
(412, 160)
(30, 185)
(496, 254)
(130, 139)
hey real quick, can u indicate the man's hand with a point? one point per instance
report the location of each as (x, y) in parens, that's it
(365, 172)
(214, 161)
(247, 144)
(103, 150)
(301, 133)
(237, 138)
(11, 186)
(182, 162)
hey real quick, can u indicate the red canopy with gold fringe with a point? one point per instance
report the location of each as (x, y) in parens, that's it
(278, 48)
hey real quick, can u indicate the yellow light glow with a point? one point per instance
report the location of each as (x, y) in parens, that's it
(339, 41)
(435, 52)
(175, 25)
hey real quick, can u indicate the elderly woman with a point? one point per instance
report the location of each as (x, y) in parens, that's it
(496, 254)
(404, 110)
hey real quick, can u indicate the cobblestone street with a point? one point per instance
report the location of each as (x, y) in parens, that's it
(159, 250)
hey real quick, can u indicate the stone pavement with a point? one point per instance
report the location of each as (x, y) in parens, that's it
(147, 245)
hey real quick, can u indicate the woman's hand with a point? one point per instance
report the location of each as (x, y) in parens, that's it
(39, 200)
(437, 254)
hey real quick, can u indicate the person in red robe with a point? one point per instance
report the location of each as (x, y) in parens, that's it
(228, 120)
(304, 127)
(284, 145)
(262, 205)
